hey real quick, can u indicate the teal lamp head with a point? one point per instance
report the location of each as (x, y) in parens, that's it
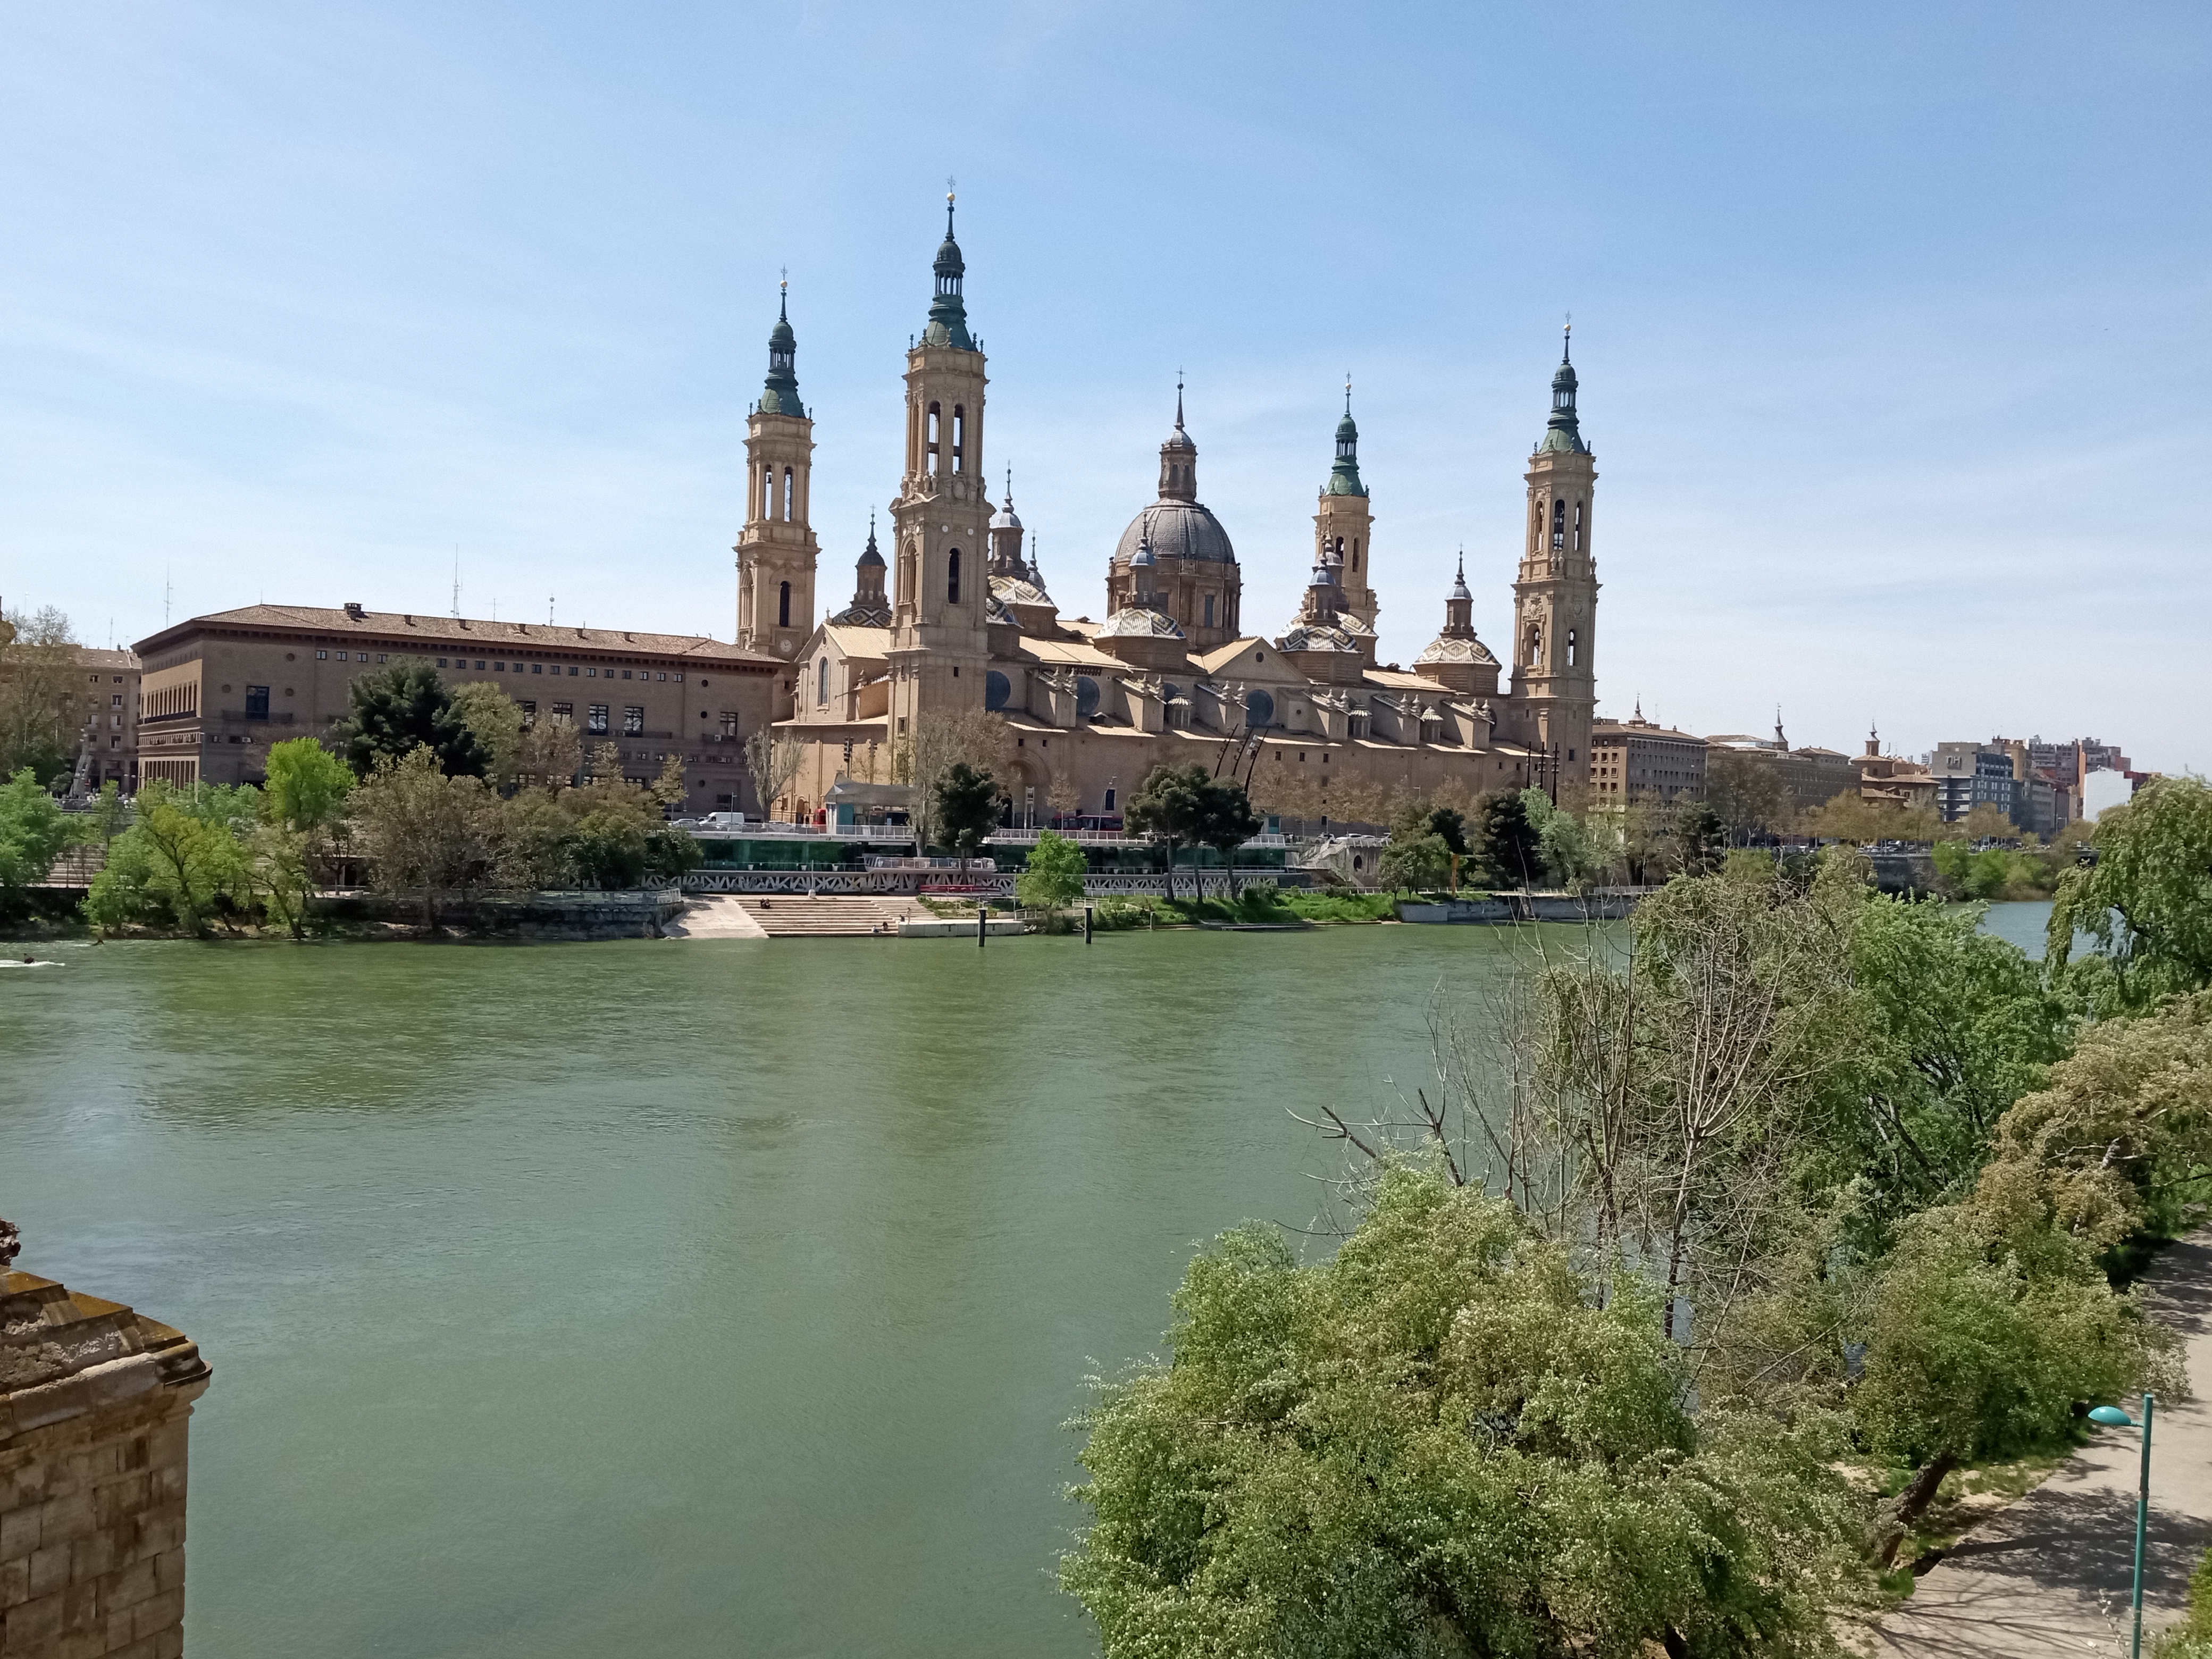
(2112, 1417)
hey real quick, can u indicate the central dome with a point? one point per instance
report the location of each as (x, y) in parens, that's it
(1178, 529)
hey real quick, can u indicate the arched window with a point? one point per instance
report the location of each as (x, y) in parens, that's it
(959, 438)
(934, 436)
(822, 682)
(1535, 645)
(1574, 647)
(1340, 550)
(783, 606)
(1209, 611)
(767, 492)
(1578, 526)
(952, 577)
(1355, 554)
(1560, 523)
(787, 495)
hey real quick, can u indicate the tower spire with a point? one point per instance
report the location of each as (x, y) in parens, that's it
(1564, 431)
(948, 312)
(780, 395)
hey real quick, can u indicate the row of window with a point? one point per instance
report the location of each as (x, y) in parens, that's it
(499, 667)
(1559, 531)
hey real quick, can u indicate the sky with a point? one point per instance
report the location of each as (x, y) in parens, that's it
(1890, 318)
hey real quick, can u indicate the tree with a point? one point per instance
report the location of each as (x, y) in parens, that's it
(552, 754)
(2146, 903)
(33, 830)
(1983, 822)
(107, 818)
(1974, 1349)
(1579, 851)
(1511, 848)
(1848, 816)
(39, 710)
(1745, 789)
(1225, 822)
(184, 863)
(1951, 1026)
(967, 809)
(610, 849)
(1053, 878)
(1170, 805)
(1442, 1440)
(1415, 862)
(280, 865)
(773, 758)
(427, 832)
(306, 788)
(496, 721)
(938, 739)
(1449, 825)
(399, 709)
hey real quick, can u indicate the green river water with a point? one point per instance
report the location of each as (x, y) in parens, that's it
(674, 1297)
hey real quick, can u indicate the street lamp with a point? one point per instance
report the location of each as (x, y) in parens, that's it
(2114, 1417)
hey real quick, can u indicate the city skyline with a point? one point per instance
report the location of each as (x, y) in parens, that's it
(1885, 363)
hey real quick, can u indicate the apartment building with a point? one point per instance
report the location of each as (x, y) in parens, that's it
(1636, 759)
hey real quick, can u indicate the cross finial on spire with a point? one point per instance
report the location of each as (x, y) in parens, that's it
(1567, 340)
(1178, 400)
(1009, 483)
(1462, 560)
(948, 206)
(1347, 391)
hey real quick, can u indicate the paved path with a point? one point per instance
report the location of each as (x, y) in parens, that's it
(713, 917)
(2051, 1574)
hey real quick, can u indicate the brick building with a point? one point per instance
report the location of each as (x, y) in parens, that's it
(216, 690)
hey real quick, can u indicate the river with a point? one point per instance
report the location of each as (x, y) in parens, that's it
(674, 1297)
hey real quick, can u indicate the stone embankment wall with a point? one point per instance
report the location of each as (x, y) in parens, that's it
(94, 1403)
(530, 917)
(1499, 907)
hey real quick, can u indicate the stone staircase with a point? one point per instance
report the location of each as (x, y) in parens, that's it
(798, 917)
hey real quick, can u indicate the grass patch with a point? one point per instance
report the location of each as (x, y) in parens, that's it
(1968, 1496)
(1341, 906)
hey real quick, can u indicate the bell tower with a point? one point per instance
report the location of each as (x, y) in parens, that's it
(941, 585)
(776, 551)
(1343, 526)
(1554, 695)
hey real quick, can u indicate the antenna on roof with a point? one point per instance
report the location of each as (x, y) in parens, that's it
(548, 610)
(457, 580)
(168, 592)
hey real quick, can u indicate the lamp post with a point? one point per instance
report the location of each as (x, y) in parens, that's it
(2114, 1417)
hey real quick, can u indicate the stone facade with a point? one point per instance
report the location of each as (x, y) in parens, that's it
(217, 690)
(1309, 718)
(94, 1408)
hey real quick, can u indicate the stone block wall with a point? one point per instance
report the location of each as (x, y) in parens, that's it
(94, 1408)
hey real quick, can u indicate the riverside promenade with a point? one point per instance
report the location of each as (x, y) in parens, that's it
(2051, 1574)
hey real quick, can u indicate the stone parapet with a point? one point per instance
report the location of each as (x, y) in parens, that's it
(94, 1403)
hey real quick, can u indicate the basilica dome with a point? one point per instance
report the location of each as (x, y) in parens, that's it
(1181, 530)
(1448, 649)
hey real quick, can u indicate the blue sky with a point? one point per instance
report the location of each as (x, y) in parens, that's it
(1891, 319)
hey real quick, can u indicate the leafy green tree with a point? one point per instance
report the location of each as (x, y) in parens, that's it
(1951, 1025)
(495, 720)
(1511, 849)
(610, 849)
(2146, 903)
(307, 786)
(1414, 863)
(399, 709)
(1442, 1440)
(1975, 1349)
(1053, 878)
(281, 865)
(1225, 822)
(669, 852)
(1170, 805)
(1449, 824)
(33, 831)
(967, 809)
(427, 833)
(190, 863)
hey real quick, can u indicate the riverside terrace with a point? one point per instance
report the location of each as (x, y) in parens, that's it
(768, 847)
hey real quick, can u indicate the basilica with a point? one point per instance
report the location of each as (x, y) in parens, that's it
(959, 619)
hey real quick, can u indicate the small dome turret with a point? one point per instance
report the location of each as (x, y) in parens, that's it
(948, 311)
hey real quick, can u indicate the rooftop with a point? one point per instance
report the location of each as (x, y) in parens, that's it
(404, 628)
